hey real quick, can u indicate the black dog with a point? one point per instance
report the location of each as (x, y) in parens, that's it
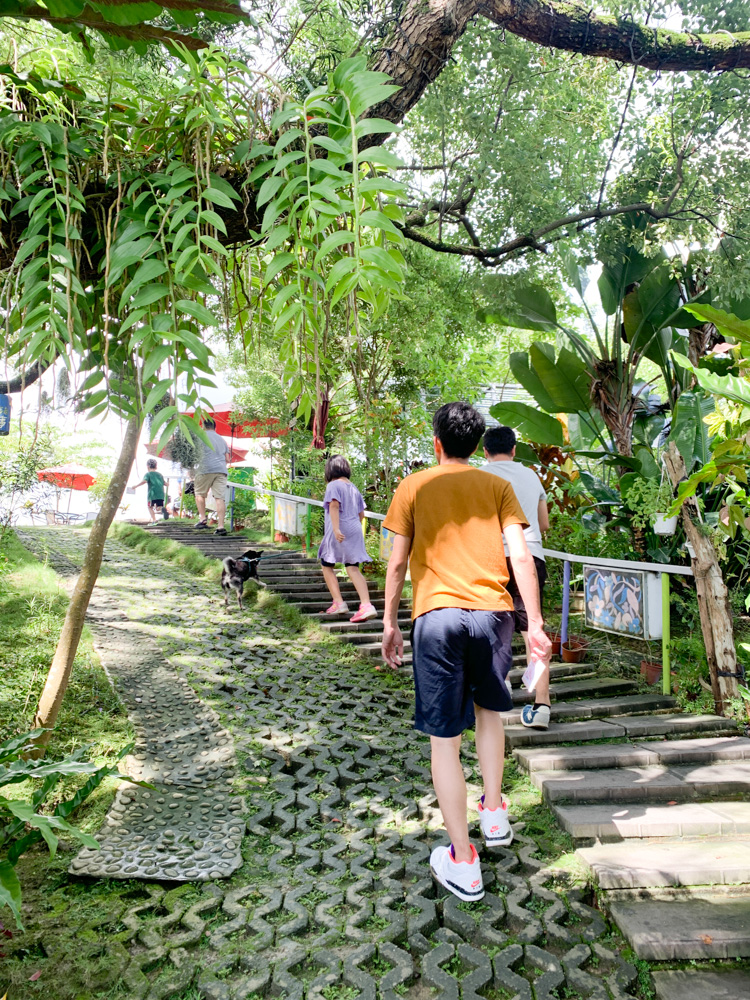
(237, 571)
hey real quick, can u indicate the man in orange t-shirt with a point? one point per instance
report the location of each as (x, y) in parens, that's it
(449, 523)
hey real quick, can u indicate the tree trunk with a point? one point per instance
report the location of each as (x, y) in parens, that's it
(713, 601)
(67, 646)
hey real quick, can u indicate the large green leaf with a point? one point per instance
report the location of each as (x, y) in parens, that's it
(526, 376)
(566, 380)
(535, 305)
(728, 386)
(10, 891)
(538, 427)
(617, 276)
(647, 309)
(689, 432)
(726, 323)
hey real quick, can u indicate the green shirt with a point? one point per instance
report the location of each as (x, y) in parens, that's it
(155, 482)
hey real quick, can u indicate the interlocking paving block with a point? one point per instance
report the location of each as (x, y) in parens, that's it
(562, 732)
(623, 784)
(663, 725)
(186, 827)
(580, 758)
(699, 749)
(334, 785)
(620, 822)
(701, 926)
(700, 985)
(671, 863)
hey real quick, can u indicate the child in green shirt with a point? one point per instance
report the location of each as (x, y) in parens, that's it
(155, 483)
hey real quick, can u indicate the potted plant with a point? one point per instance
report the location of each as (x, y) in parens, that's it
(649, 500)
(651, 671)
(554, 638)
(575, 649)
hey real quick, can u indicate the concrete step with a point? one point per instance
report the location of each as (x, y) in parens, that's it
(634, 820)
(704, 925)
(578, 758)
(730, 984)
(669, 863)
(597, 709)
(667, 725)
(374, 626)
(654, 783)
(562, 732)
(316, 607)
(558, 671)
(312, 596)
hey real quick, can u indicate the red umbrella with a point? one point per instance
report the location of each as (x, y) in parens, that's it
(68, 477)
(224, 416)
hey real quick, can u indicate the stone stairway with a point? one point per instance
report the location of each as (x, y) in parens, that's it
(655, 799)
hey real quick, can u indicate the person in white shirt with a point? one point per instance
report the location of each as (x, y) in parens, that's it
(500, 450)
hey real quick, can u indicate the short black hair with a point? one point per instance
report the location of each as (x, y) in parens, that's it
(500, 440)
(458, 427)
(337, 467)
(209, 424)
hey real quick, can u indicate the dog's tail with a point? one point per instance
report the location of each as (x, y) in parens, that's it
(228, 564)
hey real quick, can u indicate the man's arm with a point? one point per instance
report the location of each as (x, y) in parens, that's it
(393, 641)
(524, 571)
(142, 483)
(543, 515)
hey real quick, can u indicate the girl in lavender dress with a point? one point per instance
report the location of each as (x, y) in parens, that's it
(342, 540)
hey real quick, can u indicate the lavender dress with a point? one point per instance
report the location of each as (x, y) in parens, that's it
(352, 549)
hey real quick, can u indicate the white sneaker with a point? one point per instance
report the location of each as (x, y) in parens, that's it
(462, 878)
(535, 718)
(496, 828)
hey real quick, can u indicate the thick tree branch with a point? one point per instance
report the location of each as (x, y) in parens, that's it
(535, 240)
(25, 379)
(421, 43)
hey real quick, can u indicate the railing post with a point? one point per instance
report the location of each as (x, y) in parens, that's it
(308, 531)
(566, 602)
(273, 516)
(231, 510)
(666, 677)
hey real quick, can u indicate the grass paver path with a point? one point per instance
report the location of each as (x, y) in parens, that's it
(313, 753)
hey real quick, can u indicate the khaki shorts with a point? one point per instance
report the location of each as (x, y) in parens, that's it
(214, 481)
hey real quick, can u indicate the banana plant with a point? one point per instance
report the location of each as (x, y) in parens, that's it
(595, 378)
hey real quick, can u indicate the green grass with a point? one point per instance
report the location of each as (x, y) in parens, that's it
(33, 603)
(165, 548)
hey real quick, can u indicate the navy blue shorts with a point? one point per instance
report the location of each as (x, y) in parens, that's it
(460, 658)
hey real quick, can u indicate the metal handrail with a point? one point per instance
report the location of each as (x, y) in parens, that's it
(290, 496)
(664, 570)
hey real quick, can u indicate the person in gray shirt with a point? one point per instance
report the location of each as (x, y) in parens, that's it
(211, 474)
(500, 450)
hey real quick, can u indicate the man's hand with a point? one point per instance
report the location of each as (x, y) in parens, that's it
(393, 646)
(539, 641)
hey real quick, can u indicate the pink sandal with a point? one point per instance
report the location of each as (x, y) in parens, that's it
(337, 608)
(365, 611)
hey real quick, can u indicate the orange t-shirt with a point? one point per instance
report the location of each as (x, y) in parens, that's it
(455, 515)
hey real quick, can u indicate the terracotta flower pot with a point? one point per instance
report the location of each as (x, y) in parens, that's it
(651, 671)
(554, 638)
(279, 536)
(574, 651)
